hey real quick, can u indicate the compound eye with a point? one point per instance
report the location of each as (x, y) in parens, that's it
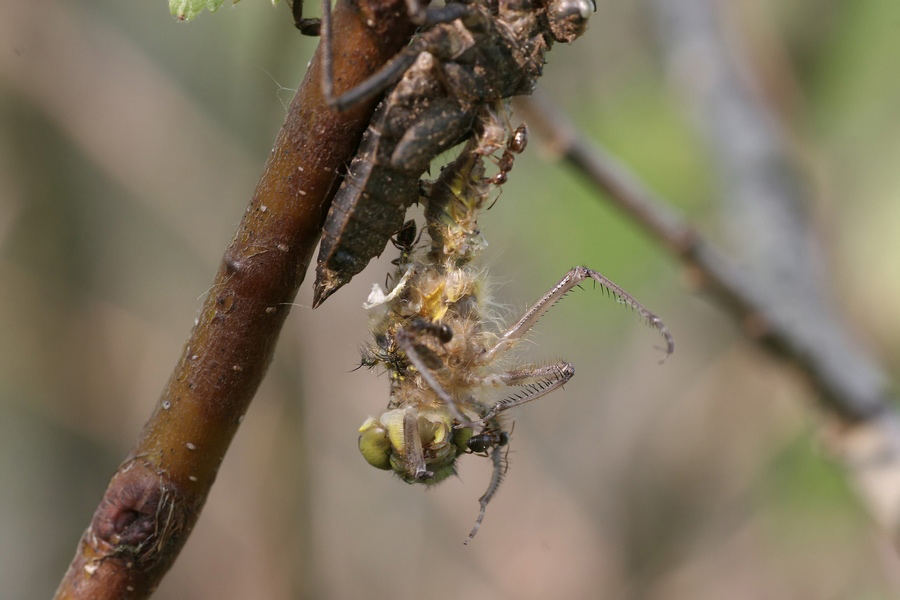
(375, 446)
(569, 18)
(462, 437)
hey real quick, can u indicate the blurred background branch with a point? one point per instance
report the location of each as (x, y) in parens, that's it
(705, 478)
(850, 386)
(765, 210)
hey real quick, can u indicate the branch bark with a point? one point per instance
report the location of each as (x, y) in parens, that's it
(155, 497)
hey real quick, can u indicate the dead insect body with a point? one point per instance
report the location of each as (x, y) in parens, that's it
(414, 124)
(432, 338)
(476, 54)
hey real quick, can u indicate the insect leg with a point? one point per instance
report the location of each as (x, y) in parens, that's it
(306, 25)
(432, 41)
(537, 381)
(529, 374)
(496, 480)
(415, 455)
(565, 285)
(406, 338)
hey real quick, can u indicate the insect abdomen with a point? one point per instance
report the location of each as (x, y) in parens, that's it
(367, 210)
(382, 183)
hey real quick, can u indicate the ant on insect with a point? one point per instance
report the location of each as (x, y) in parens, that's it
(467, 56)
(432, 336)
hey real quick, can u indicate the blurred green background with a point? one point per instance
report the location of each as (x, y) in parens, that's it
(129, 147)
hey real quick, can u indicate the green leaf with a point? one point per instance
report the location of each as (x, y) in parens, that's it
(185, 10)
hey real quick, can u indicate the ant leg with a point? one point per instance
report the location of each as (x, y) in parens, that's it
(306, 25)
(493, 486)
(565, 285)
(406, 338)
(538, 381)
(529, 374)
(387, 76)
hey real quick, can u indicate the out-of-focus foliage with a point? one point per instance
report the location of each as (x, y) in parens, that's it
(707, 477)
(185, 10)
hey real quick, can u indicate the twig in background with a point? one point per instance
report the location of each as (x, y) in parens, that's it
(850, 386)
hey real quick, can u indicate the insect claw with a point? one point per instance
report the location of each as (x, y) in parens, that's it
(667, 352)
(477, 525)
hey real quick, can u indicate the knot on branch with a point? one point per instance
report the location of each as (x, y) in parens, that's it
(142, 514)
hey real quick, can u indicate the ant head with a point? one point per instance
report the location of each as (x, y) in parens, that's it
(568, 19)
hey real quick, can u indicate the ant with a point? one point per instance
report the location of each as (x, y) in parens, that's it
(469, 55)
(433, 336)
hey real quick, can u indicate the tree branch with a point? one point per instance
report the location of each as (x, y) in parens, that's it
(868, 436)
(155, 497)
(765, 201)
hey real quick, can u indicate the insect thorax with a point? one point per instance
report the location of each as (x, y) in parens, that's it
(437, 306)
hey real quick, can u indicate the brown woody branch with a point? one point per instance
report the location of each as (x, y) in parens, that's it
(155, 497)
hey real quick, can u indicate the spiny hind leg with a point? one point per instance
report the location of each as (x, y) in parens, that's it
(536, 382)
(571, 280)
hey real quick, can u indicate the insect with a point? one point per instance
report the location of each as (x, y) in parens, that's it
(480, 443)
(430, 334)
(470, 55)
(306, 25)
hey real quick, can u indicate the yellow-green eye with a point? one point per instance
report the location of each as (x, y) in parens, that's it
(461, 438)
(375, 444)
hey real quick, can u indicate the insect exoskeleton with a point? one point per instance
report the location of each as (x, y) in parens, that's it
(435, 336)
(467, 57)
